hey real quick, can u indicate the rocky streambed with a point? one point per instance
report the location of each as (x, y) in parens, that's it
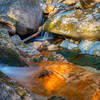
(70, 34)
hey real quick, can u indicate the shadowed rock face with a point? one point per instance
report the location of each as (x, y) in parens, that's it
(25, 15)
(31, 16)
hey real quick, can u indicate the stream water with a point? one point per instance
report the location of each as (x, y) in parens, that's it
(19, 74)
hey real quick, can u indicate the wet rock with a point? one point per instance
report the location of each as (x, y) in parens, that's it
(69, 45)
(90, 47)
(81, 59)
(8, 50)
(79, 24)
(37, 45)
(56, 57)
(84, 47)
(25, 15)
(40, 45)
(27, 49)
(52, 47)
(11, 90)
(94, 49)
(12, 47)
(57, 98)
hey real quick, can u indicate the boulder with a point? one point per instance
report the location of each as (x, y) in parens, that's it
(8, 52)
(78, 24)
(13, 51)
(11, 90)
(24, 16)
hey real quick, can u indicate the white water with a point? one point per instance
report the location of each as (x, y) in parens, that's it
(45, 36)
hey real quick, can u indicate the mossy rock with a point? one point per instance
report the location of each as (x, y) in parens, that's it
(78, 24)
(11, 90)
(8, 52)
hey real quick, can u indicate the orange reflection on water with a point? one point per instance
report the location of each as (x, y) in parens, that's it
(66, 80)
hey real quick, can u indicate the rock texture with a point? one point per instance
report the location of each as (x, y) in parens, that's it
(11, 90)
(22, 15)
(8, 50)
(79, 24)
(14, 48)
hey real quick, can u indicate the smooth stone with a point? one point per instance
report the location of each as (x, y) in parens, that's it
(25, 16)
(52, 47)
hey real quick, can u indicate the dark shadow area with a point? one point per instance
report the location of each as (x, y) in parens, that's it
(10, 58)
(80, 59)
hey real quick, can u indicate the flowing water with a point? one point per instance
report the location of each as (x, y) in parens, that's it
(44, 35)
(19, 74)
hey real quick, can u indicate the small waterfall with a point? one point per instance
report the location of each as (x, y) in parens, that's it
(44, 35)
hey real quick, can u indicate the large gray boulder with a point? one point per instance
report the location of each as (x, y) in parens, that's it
(24, 15)
(78, 24)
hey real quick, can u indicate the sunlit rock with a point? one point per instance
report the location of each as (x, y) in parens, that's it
(52, 47)
(79, 24)
(68, 2)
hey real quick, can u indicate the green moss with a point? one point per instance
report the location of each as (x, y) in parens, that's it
(10, 57)
(37, 60)
(51, 58)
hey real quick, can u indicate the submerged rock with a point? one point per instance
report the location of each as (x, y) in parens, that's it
(57, 98)
(79, 24)
(23, 15)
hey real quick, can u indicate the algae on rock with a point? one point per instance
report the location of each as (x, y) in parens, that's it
(79, 24)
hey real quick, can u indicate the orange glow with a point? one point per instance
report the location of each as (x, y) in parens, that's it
(66, 80)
